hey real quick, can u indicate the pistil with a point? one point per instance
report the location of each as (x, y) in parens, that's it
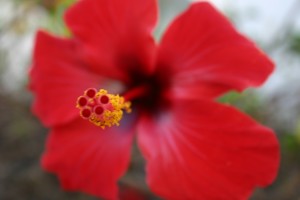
(101, 108)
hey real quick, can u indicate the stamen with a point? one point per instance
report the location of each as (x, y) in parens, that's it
(101, 108)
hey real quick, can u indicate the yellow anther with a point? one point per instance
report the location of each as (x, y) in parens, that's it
(102, 109)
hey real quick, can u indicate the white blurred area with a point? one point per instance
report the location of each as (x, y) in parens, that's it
(267, 22)
(18, 24)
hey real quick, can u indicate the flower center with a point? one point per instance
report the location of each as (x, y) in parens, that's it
(101, 108)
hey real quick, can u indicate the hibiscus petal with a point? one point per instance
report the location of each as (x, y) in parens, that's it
(208, 56)
(116, 34)
(204, 150)
(87, 158)
(58, 78)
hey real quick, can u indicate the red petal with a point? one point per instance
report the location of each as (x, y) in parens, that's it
(58, 78)
(208, 56)
(204, 150)
(115, 33)
(87, 158)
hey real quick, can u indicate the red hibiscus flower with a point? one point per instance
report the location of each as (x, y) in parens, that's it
(195, 148)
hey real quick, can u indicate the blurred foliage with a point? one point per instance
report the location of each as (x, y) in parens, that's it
(55, 10)
(56, 13)
(246, 101)
(290, 143)
(295, 43)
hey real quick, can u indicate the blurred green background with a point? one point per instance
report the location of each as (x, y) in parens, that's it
(273, 25)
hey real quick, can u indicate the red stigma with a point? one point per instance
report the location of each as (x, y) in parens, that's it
(91, 93)
(98, 110)
(104, 99)
(86, 113)
(82, 101)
